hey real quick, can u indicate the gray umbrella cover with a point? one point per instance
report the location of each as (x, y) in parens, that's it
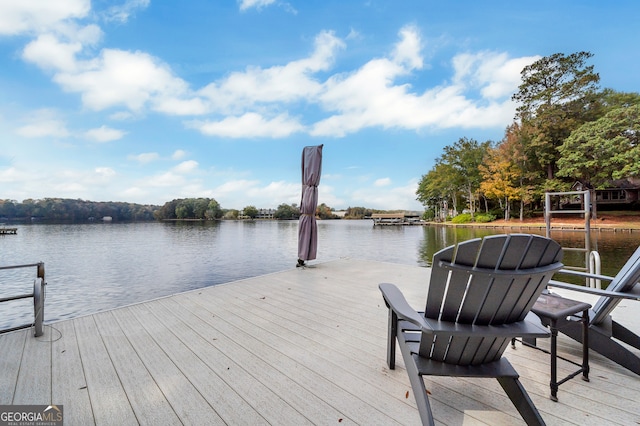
(307, 227)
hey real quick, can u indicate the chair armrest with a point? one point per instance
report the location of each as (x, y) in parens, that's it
(585, 274)
(396, 301)
(526, 328)
(634, 294)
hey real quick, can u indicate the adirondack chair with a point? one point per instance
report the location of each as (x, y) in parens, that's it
(604, 332)
(480, 294)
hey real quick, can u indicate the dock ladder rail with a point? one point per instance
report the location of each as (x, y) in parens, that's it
(591, 257)
(38, 298)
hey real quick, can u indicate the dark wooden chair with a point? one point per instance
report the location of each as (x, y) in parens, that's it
(479, 297)
(606, 336)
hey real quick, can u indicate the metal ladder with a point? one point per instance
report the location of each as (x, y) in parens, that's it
(591, 257)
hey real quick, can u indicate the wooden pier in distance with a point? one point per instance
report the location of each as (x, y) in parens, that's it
(300, 347)
(8, 231)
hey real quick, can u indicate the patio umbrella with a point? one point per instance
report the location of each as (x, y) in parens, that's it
(307, 227)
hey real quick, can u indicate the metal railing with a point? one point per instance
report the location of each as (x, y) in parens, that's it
(38, 298)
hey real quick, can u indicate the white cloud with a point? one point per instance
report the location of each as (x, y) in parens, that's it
(288, 83)
(390, 198)
(30, 16)
(494, 73)
(256, 102)
(186, 167)
(271, 195)
(43, 123)
(48, 52)
(121, 116)
(178, 154)
(258, 4)
(369, 96)
(249, 125)
(146, 157)
(382, 182)
(407, 50)
(11, 174)
(104, 134)
(122, 12)
(122, 78)
(105, 172)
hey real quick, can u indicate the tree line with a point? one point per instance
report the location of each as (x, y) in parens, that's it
(566, 129)
(72, 210)
(77, 210)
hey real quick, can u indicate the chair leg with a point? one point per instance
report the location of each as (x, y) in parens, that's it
(419, 390)
(554, 361)
(520, 399)
(620, 332)
(391, 339)
(613, 350)
(585, 345)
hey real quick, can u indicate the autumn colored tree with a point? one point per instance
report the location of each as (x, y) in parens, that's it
(324, 212)
(500, 177)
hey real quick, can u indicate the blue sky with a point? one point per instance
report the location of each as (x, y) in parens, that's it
(146, 100)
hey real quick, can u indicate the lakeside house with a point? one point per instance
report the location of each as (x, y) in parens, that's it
(622, 194)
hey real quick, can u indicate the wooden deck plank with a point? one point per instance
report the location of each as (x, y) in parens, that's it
(147, 400)
(225, 400)
(305, 345)
(261, 371)
(265, 401)
(190, 406)
(109, 400)
(67, 375)
(11, 351)
(333, 361)
(299, 365)
(34, 380)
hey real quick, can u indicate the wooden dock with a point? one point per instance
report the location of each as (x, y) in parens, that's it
(303, 346)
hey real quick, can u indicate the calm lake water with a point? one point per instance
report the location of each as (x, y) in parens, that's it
(93, 267)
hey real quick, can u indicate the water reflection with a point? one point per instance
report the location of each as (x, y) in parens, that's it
(614, 248)
(94, 267)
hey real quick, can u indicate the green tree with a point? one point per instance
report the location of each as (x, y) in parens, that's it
(213, 209)
(287, 211)
(556, 96)
(184, 209)
(200, 206)
(439, 190)
(251, 211)
(604, 150)
(464, 157)
(231, 214)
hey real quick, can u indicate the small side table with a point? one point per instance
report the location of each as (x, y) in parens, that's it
(550, 308)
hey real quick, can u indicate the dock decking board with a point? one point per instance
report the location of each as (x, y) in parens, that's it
(304, 346)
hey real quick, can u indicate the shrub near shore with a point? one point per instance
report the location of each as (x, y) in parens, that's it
(608, 220)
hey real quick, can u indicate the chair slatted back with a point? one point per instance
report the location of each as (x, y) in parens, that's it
(490, 281)
(623, 282)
